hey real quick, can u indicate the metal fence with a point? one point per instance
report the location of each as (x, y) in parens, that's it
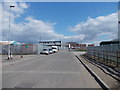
(107, 53)
(20, 49)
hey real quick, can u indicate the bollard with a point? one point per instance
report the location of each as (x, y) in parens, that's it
(11, 56)
(21, 56)
(8, 57)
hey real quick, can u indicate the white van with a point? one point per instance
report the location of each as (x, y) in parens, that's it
(54, 49)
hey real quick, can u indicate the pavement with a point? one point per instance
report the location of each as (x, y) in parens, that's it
(16, 58)
(107, 79)
(58, 70)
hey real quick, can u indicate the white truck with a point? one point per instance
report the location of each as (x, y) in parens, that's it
(54, 49)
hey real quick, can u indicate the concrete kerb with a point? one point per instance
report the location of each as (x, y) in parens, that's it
(111, 82)
(105, 69)
(100, 82)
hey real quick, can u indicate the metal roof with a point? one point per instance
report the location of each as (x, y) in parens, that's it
(109, 42)
(9, 42)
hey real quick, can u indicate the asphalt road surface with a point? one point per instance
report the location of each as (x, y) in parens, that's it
(59, 70)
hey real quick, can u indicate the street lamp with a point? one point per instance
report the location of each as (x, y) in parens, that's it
(9, 47)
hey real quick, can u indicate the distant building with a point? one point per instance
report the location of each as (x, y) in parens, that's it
(91, 45)
(76, 45)
(82, 45)
(48, 44)
(51, 43)
(109, 42)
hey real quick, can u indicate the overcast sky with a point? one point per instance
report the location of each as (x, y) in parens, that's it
(82, 22)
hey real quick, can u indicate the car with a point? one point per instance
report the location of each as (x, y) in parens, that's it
(50, 51)
(45, 51)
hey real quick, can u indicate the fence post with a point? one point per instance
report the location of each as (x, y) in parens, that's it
(98, 55)
(94, 53)
(103, 56)
(106, 56)
(87, 52)
(117, 58)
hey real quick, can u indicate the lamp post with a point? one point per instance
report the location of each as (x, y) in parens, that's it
(118, 33)
(9, 47)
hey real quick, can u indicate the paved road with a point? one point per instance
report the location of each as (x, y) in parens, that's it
(59, 70)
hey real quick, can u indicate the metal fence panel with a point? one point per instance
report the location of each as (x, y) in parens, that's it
(20, 49)
(106, 52)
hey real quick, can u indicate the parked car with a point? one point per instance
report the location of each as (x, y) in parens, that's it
(45, 51)
(50, 51)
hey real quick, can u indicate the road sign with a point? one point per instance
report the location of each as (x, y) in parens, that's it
(27, 46)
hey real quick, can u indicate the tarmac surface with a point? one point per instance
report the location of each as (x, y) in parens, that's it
(58, 70)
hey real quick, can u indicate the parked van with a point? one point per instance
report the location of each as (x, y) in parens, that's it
(54, 49)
